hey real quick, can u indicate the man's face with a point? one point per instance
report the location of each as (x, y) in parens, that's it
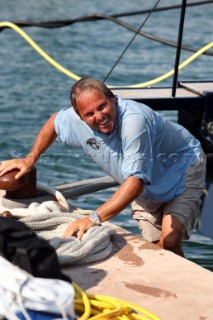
(97, 111)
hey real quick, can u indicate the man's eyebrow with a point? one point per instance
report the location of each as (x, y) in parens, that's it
(101, 105)
(88, 113)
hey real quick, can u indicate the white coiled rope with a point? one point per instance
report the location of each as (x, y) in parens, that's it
(50, 219)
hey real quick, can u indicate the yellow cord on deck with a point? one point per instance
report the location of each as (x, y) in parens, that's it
(76, 77)
(99, 307)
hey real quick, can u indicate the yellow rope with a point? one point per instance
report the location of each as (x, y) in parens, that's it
(99, 307)
(76, 77)
(84, 299)
(39, 50)
(171, 72)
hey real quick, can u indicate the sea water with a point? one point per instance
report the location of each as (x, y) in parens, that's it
(31, 89)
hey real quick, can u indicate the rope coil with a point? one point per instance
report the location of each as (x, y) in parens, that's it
(49, 220)
(97, 307)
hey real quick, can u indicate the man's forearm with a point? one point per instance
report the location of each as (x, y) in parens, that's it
(126, 193)
(45, 138)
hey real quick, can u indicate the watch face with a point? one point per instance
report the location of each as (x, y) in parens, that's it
(95, 217)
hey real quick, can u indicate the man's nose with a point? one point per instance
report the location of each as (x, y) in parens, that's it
(98, 116)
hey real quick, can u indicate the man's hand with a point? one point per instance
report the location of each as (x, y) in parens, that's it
(126, 193)
(24, 165)
(78, 228)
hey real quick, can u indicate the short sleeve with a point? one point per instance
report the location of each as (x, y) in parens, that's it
(66, 127)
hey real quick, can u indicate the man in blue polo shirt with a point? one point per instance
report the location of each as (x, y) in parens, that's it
(159, 165)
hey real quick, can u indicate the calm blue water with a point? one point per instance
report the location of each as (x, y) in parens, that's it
(31, 89)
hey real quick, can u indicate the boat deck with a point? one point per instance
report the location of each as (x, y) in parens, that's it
(189, 96)
(185, 90)
(159, 281)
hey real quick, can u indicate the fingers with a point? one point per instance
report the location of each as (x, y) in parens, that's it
(74, 230)
(20, 173)
(80, 234)
(78, 228)
(70, 231)
(8, 165)
(21, 164)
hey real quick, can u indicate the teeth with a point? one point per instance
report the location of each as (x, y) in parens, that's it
(103, 122)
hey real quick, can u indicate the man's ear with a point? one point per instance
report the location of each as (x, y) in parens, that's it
(78, 113)
(115, 100)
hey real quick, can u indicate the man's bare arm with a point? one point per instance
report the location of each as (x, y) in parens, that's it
(125, 194)
(44, 140)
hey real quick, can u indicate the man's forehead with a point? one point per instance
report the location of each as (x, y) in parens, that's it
(90, 92)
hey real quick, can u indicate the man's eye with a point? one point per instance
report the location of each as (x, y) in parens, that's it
(101, 107)
(88, 115)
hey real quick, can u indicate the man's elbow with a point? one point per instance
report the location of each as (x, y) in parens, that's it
(138, 186)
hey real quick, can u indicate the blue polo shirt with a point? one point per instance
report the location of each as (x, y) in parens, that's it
(142, 144)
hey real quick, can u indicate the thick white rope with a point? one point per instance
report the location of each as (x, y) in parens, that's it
(54, 192)
(49, 220)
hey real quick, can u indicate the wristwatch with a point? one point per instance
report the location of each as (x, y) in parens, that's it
(94, 217)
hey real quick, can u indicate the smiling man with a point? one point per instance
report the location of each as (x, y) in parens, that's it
(95, 106)
(159, 165)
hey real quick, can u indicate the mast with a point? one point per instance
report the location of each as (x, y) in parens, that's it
(179, 43)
